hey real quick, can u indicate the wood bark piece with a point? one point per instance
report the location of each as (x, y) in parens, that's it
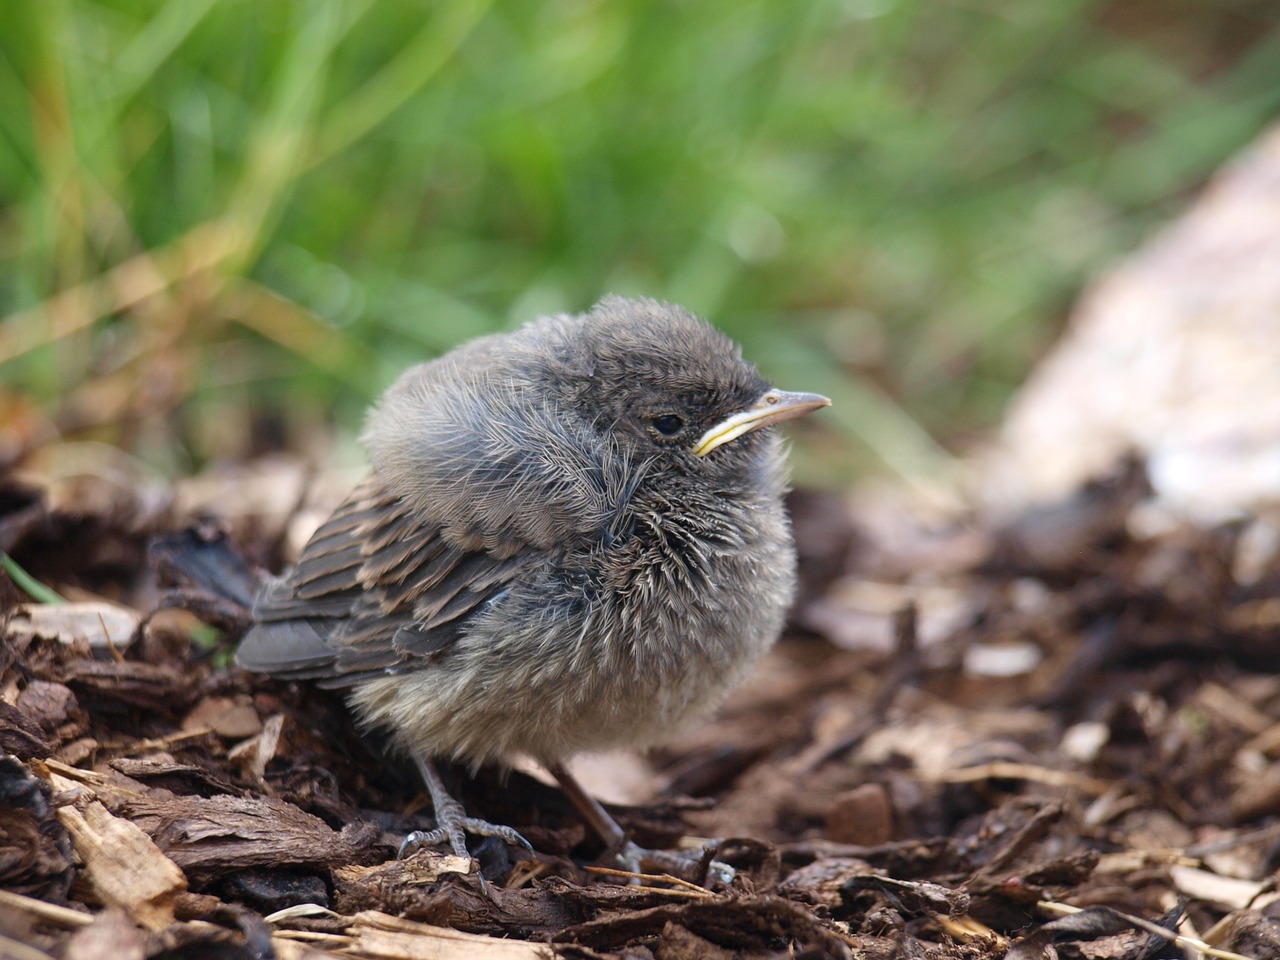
(379, 935)
(123, 866)
(459, 901)
(209, 836)
(426, 866)
(231, 717)
(21, 735)
(745, 924)
(98, 624)
(152, 686)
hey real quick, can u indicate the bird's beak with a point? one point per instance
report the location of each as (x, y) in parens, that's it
(774, 407)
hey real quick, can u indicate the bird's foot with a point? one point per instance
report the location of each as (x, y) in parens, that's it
(691, 865)
(452, 822)
(694, 866)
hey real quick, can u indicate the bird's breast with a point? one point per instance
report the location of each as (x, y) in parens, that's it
(707, 587)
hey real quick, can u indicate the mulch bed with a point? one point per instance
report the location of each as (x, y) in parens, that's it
(1049, 737)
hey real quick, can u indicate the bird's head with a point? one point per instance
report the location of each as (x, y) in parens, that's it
(671, 387)
(519, 438)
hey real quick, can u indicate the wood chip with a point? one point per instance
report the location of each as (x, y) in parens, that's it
(123, 866)
(1225, 891)
(230, 717)
(375, 934)
(98, 624)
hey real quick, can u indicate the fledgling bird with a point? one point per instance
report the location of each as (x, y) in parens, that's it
(572, 539)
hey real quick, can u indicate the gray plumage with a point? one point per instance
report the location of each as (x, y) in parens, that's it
(534, 565)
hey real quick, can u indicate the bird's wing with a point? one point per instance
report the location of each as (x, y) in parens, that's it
(376, 589)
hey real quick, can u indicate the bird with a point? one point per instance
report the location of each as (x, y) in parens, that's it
(572, 538)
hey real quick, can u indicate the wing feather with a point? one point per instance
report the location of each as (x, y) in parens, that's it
(376, 590)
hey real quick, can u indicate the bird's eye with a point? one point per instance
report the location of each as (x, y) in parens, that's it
(668, 424)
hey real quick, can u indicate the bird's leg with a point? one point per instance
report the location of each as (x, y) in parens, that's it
(452, 822)
(597, 817)
(635, 858)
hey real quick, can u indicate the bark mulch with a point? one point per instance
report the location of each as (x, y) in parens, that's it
(1054, 736)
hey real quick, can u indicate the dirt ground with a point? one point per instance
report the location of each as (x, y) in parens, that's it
(1051, 737)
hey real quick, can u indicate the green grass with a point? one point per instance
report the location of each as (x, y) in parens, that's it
(36, 590)
(215, 214)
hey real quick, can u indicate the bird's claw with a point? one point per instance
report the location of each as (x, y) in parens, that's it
(720, 873)
(453, 830)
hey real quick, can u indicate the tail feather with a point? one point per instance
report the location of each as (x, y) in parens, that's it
(202, 557)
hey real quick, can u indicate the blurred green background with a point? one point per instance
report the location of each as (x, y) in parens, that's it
(226, 226)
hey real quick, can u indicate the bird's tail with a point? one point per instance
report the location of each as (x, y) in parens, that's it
(202, 558)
